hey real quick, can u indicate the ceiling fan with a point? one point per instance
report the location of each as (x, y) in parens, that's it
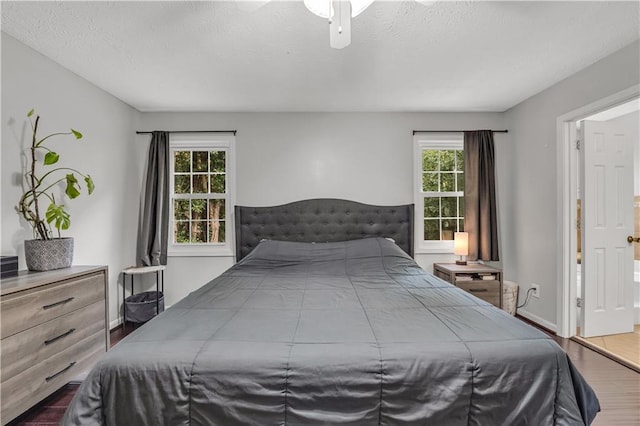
(338, 12)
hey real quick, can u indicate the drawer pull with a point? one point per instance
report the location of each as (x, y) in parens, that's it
(53, 376)
(478, 290)
(62, 302)
(48, 342)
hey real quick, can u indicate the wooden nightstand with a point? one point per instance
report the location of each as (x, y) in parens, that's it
(480, 280)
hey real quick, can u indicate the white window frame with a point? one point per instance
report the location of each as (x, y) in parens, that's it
(421, 141)
(220, 141)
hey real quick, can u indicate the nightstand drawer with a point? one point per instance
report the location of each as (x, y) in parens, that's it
(488, 290)
(443, 275)
(30, 308)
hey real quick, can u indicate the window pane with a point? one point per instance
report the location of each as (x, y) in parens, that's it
(461, 208)
(448, 228)
(200, 159)
(460, 178)
(460, 160)
(216, 209)
(217, 161)
(431, 229)
(460, 225)
(431, 207)
(223, 232)
(182, 184)
(430, 160)
(182, 161)
(200, 184)
(447, 182)
(199, 209)
(447, 160)
(218, 184)
(449, 206)
(199, 231)
(217, 231)
(181, 232)
(430, 182)
(181, 209)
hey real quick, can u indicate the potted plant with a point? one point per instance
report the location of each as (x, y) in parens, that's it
(46, 252)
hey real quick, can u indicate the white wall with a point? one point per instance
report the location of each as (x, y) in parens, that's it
(283, 157)
(104, 224)
(532, 224)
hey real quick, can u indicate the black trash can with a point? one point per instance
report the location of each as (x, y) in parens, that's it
(143, 306)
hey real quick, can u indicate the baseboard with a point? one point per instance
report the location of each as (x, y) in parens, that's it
(115, 324)
(538, 320)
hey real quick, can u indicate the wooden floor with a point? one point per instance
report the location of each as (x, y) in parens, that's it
(625, 346)
(617, 387)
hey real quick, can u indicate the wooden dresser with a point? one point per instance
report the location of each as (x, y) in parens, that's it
(53, 327)
(480, 280)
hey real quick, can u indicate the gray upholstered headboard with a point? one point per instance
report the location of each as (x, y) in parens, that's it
(322, 220)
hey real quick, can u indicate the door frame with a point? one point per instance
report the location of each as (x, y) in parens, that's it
(567, 164)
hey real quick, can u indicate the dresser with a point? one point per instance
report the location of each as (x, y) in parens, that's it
(53, 327)
(484, 282)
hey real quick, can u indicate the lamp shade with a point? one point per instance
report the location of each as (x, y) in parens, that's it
(461, 243)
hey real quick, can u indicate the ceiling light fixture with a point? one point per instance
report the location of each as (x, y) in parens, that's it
(339, 14)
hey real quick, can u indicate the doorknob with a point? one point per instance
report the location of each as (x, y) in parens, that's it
(630, 239)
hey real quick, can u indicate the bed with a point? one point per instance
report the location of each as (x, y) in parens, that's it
(327, 319)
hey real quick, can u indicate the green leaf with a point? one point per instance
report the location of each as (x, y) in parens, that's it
(30, 113)
(77, 134)
(51, 158)
(59, 216)
(73, 189)
(90, 185)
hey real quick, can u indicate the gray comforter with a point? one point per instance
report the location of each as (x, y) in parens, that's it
(333, 333)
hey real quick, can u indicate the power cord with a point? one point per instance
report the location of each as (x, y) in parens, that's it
(526, 299)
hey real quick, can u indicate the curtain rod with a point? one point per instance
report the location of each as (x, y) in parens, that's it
(454, 131)
(138, 132)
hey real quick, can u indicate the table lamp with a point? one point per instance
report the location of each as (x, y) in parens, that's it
(461, 246)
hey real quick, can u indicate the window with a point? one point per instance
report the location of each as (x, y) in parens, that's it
(439, 190)
(202, 183)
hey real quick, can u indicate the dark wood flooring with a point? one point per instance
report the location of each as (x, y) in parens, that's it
(617, 387)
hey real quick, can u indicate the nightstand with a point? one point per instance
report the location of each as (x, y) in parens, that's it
(484, 282)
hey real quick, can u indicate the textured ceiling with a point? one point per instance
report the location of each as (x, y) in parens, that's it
(404, 56)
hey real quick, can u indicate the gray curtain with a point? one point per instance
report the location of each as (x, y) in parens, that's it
(480, 217)
(153, 223)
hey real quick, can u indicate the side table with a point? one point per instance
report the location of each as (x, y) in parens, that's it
(141, 270)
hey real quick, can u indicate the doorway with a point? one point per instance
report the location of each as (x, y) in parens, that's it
(616, 108)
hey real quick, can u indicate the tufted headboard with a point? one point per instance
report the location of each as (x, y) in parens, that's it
(322, 220)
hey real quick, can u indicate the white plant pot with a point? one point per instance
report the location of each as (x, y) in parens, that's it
(46, 255)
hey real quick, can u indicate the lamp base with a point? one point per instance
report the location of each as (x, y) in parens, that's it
(461, 262)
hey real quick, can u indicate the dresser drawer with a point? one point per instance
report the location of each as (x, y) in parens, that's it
(23, 350)
(488, 290)
(24, 310)
(27, 388)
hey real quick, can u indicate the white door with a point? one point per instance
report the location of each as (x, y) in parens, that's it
(606, 186)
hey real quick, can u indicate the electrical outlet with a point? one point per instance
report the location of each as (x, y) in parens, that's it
(536, 290)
